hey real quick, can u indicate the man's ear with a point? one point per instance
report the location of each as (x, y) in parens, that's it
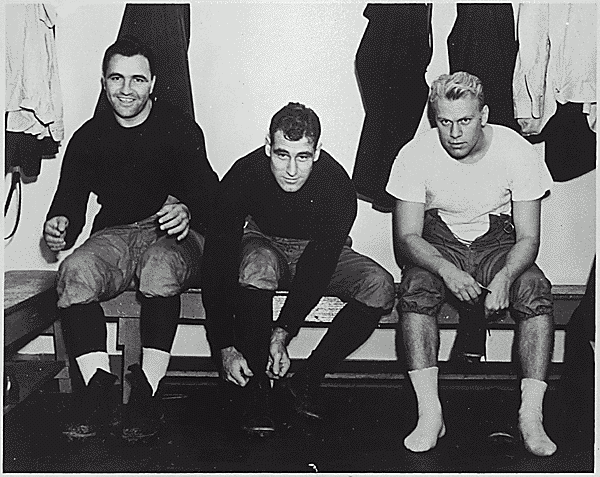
(103, 82)
(268, 145)
(317, 152)
(485, 114)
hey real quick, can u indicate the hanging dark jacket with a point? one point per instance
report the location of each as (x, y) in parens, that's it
(482, 42)
(390, 65)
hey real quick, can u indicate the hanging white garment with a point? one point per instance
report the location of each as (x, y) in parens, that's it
(556, 62)
(33, 98)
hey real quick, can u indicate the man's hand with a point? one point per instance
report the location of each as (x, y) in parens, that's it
(530, 126)
(175, 219)
(460, 283)
(55, 233)
(498, 298)
(279, 360)
(235, 367)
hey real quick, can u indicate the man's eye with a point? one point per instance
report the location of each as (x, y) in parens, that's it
(140, 80)
(465, 121)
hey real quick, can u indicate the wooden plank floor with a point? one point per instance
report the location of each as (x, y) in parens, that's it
(363, 433)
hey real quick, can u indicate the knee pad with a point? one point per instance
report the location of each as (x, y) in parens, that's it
(378, 291)
(161, 273)
(80, 281)
(260, 269)
(421, 292)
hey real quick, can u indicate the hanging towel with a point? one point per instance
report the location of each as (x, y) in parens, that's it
(33, 97)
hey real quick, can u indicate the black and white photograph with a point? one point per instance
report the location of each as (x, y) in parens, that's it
(342, 237)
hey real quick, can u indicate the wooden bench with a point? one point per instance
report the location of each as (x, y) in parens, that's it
(30, 307)
(125, 310)
(29, 310)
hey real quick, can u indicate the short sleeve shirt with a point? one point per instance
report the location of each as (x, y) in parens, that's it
(465, 194)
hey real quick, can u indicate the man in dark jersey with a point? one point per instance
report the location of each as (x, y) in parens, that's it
(147, 164)
(282, 218)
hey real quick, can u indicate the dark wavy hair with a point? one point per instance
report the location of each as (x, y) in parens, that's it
(127, 46)
(296, 121)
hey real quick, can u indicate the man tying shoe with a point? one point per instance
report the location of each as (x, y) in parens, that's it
(282, 218)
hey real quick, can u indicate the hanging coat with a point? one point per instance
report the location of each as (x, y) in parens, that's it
(33, 101)
(555, 84)
(165, 29)
(482, 42)
(33, 97)
(390, 65)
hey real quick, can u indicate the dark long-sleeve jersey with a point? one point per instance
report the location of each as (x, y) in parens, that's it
(322, 211)
(133, 170)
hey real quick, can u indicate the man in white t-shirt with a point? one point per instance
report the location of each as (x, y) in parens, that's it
(468, 217)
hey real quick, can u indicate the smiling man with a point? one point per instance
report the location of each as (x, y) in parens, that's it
(468, 221)
(282, 218)
(147, 164)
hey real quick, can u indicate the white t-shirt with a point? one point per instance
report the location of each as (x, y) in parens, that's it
(465, 194)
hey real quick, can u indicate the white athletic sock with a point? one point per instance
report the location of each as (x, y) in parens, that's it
(154, 364)
(90, 362)
(531, 416)
(430, 425)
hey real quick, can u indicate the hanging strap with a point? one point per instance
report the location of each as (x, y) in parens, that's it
(16, 182)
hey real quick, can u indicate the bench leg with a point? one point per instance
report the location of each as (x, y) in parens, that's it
(130, 343)
(60, 352)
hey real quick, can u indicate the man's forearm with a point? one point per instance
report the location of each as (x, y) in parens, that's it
(422, 253)
(313, 273)
(520, 257)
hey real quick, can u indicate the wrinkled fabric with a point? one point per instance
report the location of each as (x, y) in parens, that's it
(424, 292)
(270, 263)
(33, 96)
(556, 62)
(115, 258)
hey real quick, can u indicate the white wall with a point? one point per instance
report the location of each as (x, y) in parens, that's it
(248, 60)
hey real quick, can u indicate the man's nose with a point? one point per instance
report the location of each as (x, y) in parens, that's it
(455, 130)
(126, 89)
(291, 167)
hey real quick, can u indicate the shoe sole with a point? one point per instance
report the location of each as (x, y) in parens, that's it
(77, 437)
(137, 439)
(309, 414)
(259, 432)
